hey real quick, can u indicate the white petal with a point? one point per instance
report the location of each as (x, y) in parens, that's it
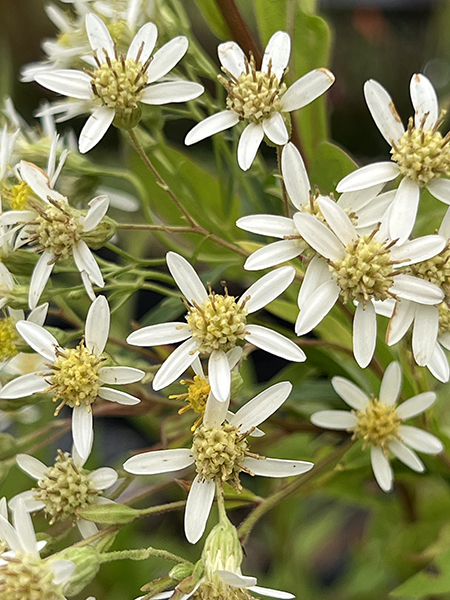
(317, 273)
(381, 469)
(263, 591)
(39, 183)
(99, 37)
(407, 456)
(163, 333)
(95, 128)
(317, 307)
(117, 396)
(39, 278)
(267, 288)
(270, 225)
(24, 528)
(274, 342)
(319, 236)
(277, 54)
(334, 419)
(416, 405)
(232, 58)
(355, 201)
(234, 356)
(85, 261)
(219, 375)
(31, 465)
(82, 431)
(171, 91)
(249, 143)
(211, 125)
(87, 529)
(275, 129)
(234, 579)
(364, 333)
(198, 506)
(440, 188)
(274, 467)
(402, 318)
(368, 176)
(120, 375)
(167, 57)
(103, 478)
(306, 89)
(417, 250)
(391, 384)
(425, 333)
(274, 254)
(295, 176)
(261, 406)
(425, 101)
(160, 461)
(24, 386)
(417, 290)
(420, 440)
(338, 220)
(38, 338)
(374, 212)
(350, 393)
(404, 210)
(176, 364)
(62, 569)
(438, 365)
(383, 111)
(215, 412)
(9, 535)
(97, 325)
(97, 210)
(186, 278)
(444, 340)
(38, 314)
(67, 82)
(145, 39)
(27, 497)
(444, 229)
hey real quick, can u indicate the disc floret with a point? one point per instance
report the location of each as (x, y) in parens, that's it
(196, 397)
(435, 270)
(26, 577)
(378, 425)
(58, 229)
(8, 338)
(444, 318)
(19, 195)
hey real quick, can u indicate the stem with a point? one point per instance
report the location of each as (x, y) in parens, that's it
(221, 502)
(167, 228)
(142, 554)
(162, 508)
(238, 28)
(283, 187)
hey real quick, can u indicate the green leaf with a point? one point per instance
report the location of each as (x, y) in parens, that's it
(213, 17)
(329, 165)
(109, 514)
(434, 579)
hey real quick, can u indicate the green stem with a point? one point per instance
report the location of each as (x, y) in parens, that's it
(162, 508)
(141, 554)
(167, 228)
(221, 502)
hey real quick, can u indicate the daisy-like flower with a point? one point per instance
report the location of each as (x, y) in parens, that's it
(360, 268)
(379, 423)
(75, 376)
(64, 488)
(117, 86)
(420, 155)
(215, 324)
(220, 452)
(23, 573)
(260, 97)
(366, 207)
(59, 230)
(8, 332)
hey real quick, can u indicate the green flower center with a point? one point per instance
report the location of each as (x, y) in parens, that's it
(377, 425)
(435, 270)
(57, 230)
(254, 95)
(422, 154)
(25, 577)
(8, 337)
(64, 489)
(444, 318)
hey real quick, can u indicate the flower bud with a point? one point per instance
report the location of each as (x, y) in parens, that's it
(87, 563)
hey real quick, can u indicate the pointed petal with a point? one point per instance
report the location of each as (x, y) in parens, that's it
(275, 129)
(38, 314)
(163, 333)
(95, 128)
(39, 278)
(82, 431)
(270, 225)
(99, 37)
(277, 53)
(117, 396)
(404, 210)
(261, 407)
(249, 143)
(274, 254)
(234, 579)
(319, 236)
(416, 290)
(416, 405)
(171, 91)
(97, 325)
(274, 342)
(97, 210)
(32, 466)
(9, 535)
(425, 333)
(146, 39)
(364, 333)
(355, 201)
(317, 308)
(24, 386)
(420, 440)
(317, 273)
(167, 57)
(180, 359)
(407, 456)
(425, 101)
(374, 212)
(440, 188)
(391, 384)
(306, 89)
(438, 365)
(295, 176)
(334, 419)
(232, 58)
(401, 321)
(85, 261)
(263, 591)
(198, 506)
(350, 393)
(383, 111)
(211, 125)
(219, 375)
(274, 467)
(382, 469)
(267, 288)
(338, 220)
(67, 82)
(38, 338)
(368, 176)
(24, 528)
(160, 461)
(120, 375)
(186, 278)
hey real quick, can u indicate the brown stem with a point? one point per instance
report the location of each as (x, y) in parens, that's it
(283, 187)
(238, 28)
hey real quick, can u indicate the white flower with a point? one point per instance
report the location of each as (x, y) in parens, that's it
(420, 154)
(215, 324)
(65, 488)
(260, 96)
(76, 375)
(361, 268)
(224, 464)
(8, 333)
(366, 207)
(117, 86)
(378, 422)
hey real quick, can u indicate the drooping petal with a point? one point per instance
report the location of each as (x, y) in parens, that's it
(82, 431)
(232, 58)
(167, 57)
(318, 307)
(277, 53)
(215, 412)
(219, 375)
(120, 375)
(117, 396)
(263, 591)
(438, 365)
(103, 478)
(275, 129)
(270, 225)
(234, 579)
(334, 419)
(99, 37)
(425, 333)
(85, 261)
(440, 188)
(143, 43)
(24, 386)
(273, 342)
(198, 507)
(306, 89)
(295, 176)
(383, 111)
(338, 220)
(400, 322)
(39, 339)
(420, 440)
(316, 274)
(266, 289)
(211, 125)
(364, 333)
(95, 128)
(407, 456)
(416, 290)
(180, 359)
(391, 384)
(163, 333)
(274, 467)
(39, 278)
(171, 91)
(249, 143)
(404, 210)
(381, 469)
(415, 405)
(97, 210)
(87, 529)
(368, 176)
(68, 82)
(160, 461)
(273, 254)
(319, 236)
(186, 278)
(261, 406)
(31, 465)
(97, 325)
(350, 393)
(424, 100)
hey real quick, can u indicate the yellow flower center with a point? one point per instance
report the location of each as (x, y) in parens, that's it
(254, 95)
(219, 323)
(57, 231)
(196, 397)
(435, 270)
(422, 154)
(217, 589)
(444, 318)
(118, 30)
(65, 488)
(26, 577)
(365, 271)
(8, 337)
(18, 196)
(377, 425)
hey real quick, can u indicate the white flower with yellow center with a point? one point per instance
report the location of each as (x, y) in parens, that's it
(119, 84)
(359, 268)
(378, 422)
(260, 96)
(220, 453)
(75, 376)
(215, 324)
(420, 155)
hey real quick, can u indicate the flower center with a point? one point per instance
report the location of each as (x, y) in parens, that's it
(8, 337)
(220, 453)
(377, 425)
(219, 590)
(219, 323)
(18, 196)
(64, 488)
(57, 230)
(365, 271)
(74, 377)
(196, 397)
(25, 577)
(422, 154)
(435, 270)
(444, 318)
(254, 95)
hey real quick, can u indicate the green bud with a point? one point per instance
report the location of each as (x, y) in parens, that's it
(87, 563)
(8, 446)
(101, 234)
(222, 550)
(108, 514)
(158, 585)
(188, 584)
(181, 571)
(127, 120)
